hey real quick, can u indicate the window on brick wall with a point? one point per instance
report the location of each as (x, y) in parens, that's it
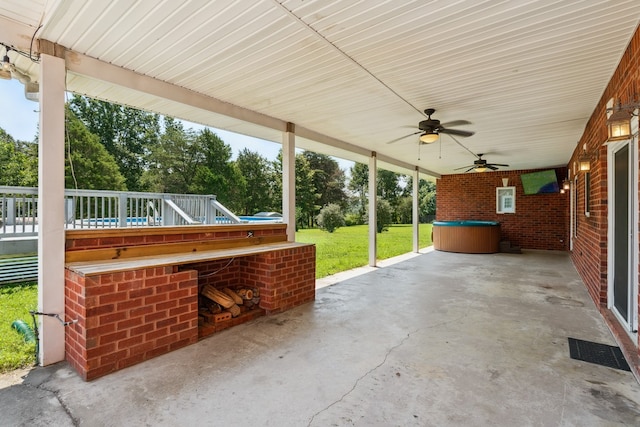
(505, 200)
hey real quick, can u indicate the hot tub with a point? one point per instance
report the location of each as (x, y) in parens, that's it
(469, 237)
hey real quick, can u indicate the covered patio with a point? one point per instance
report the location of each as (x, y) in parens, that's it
(455, 340)
(438, 338)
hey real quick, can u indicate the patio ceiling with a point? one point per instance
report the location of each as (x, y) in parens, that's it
(351, 75)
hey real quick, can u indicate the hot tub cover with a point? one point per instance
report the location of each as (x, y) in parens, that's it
(466, 223)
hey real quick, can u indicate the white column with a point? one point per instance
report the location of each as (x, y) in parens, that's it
(51, 238)
(373, 205)
(289, 181)
(416, 211)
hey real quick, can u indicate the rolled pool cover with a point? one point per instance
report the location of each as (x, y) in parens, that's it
(25, 330)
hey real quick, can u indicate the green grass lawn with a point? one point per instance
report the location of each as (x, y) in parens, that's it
(347, 247)
(15, 302)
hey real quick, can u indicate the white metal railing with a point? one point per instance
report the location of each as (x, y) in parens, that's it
(110, 209)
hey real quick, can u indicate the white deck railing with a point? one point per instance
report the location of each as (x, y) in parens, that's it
(110, 209)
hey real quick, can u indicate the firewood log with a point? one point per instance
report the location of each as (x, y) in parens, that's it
(234, 296)
(234, 310)
(212, 306)
(217, 296)
(245, 293)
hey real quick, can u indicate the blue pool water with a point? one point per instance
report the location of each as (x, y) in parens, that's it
(260, 219)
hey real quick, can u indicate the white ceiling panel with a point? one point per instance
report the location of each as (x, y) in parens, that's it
(526, 73)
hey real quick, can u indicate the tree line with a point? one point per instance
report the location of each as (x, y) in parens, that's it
(114, 147)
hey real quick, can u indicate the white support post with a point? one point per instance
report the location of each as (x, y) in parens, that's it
(373, 207)
(416, 210)
(51, 205)
(289, 181)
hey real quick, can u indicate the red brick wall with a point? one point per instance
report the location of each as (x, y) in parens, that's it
(77, 240)
(219, 274)
(126, 318)
(286, 278)
(541, 221)
(590, 245)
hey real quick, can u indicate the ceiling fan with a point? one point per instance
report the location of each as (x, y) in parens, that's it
(432, 128)
(481, 165)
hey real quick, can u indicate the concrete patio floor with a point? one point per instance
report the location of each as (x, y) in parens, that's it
(431, 339)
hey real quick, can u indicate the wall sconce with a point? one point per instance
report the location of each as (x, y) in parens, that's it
(619, 122)
(584, 162)
(619, 125)
(566, 185)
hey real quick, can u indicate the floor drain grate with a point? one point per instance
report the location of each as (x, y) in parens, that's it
(600, 354)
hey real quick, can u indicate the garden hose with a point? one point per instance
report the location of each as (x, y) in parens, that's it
(22, 328)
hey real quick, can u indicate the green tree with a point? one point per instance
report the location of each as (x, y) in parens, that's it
(427, 194)
(173, 161)
(127, 133)
(328, 179)
(257, 172)
(18, 161)
(359, 184)
(388, 186)
(306, 196)
(404, 210)
(426, 197)
(88, 165)
(216, 173)
(384, 215)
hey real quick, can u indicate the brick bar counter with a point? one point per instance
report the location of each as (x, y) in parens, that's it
(135, 291)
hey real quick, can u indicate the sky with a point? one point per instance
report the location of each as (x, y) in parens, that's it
(19, 118)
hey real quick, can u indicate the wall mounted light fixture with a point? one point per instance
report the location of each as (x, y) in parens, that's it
(584, 162)
(619, 122)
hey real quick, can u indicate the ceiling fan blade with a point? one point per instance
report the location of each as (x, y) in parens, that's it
(492, 167)
(470, 169)
(456, 132)
(455, 123)
(403, 137)
(500, 164)
(471, 166)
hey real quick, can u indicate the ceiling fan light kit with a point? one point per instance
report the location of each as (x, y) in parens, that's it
(430, 129)
(429, 138)
(481, 165)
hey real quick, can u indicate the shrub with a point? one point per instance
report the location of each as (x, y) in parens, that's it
(330, 218)
(384, 214)
(353, 219)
